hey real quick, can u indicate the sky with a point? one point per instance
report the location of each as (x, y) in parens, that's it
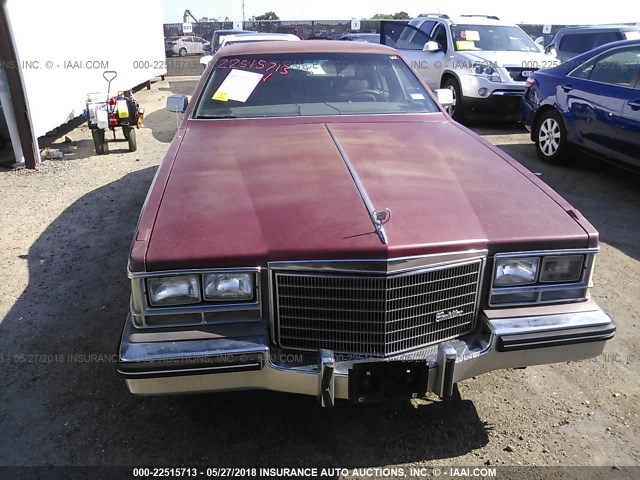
(517, 11)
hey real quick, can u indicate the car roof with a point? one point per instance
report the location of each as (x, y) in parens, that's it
(235, 31)
(583, 57)
(304, 46)
(259, 37)
(466, 19)
(361, 35)
(597, 28)
(609, 46)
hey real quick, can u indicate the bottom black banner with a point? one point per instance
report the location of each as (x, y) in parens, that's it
(347, 473)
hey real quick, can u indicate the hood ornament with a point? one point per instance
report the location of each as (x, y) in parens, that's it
(380, 217)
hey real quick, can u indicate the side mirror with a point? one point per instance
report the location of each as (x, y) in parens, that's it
(444, 97)
(177, 103)
(206, 60)
(431, 47)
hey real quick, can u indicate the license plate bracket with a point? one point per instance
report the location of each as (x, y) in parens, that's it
(371, 382)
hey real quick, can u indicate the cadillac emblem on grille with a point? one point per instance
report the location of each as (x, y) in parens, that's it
(447, 315)
(376, 315)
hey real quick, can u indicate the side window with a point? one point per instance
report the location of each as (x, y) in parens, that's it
(620, 67)
(577, 42)
(584, 70)
(440, 37)
(427, 26)
(402, 36)
(607, 37)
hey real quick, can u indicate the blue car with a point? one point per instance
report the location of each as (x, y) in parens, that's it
(591, 103)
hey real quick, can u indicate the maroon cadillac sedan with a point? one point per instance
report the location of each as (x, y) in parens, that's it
(320, 226)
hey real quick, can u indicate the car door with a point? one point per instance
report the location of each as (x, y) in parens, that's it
(411, 41)
(592, 98)
(438, 59)
(196, 45)
(628, 141)
(201, 44)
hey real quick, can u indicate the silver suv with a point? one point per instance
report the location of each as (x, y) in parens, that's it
(484, 61)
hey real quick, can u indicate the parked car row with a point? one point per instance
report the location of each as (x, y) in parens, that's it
(591, 102)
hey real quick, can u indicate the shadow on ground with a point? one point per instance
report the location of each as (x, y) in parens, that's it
(58, 347)
(606, 195)
(496, 127)
(162, 122)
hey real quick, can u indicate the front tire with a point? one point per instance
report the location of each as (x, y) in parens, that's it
(455, 109)
(551, 137)
(131, 138)
(99, 141)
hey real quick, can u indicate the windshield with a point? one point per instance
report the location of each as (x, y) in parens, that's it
(310, 84)
(492, 38)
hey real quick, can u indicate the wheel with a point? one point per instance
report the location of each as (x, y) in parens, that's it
(455, 109)
(368, 94)
(551, 137)
(98, 141)
(130, 135)
(182, 52)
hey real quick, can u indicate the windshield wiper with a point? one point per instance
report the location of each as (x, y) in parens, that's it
(335, 108)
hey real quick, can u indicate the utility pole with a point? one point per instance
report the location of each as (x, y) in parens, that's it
(243, 19)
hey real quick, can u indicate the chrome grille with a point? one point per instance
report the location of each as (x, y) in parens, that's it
(375, 315)
(517, 73)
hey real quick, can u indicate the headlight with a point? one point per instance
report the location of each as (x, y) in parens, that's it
(177, 290)
(228, 286)
(515, 271)
(536, 278)
(485, 70)
(561, 268)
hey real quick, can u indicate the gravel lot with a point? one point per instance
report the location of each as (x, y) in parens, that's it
(65, 231)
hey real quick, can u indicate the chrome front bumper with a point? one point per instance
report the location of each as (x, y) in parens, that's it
(223, 364)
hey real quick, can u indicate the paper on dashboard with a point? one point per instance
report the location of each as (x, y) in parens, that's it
(238, 86)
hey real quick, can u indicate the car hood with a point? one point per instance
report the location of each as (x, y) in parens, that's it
(512, 59)
(244, 192)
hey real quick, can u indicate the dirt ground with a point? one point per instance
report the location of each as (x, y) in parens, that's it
(65, 231)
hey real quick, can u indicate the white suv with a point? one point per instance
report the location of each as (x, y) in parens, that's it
(485, 62)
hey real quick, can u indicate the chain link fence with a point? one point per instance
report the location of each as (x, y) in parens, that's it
(184, 49)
